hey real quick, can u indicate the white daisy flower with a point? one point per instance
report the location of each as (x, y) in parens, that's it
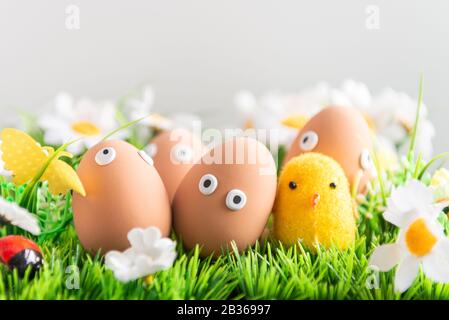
(269, 111)
(394, 116)
(149, 253)
(70, 120)
(11, 213)
(421, 240)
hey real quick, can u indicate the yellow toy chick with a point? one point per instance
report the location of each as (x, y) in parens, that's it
(313, 203)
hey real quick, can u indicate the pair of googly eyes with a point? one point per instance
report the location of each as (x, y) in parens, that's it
(293, 185)
(235, 199)
(180, 153)
(309, 141)
(106, 155)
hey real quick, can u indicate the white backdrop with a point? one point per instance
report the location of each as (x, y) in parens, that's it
(198, 53)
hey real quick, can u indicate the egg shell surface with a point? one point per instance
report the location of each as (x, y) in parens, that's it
(343, 134)
(124, 194)
(206, 219)
(171, 167)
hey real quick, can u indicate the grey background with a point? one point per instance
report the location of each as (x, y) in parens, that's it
(198, 53)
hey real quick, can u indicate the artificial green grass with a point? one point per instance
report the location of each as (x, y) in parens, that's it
(265, 271)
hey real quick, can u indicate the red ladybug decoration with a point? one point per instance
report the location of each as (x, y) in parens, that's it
(19, 253)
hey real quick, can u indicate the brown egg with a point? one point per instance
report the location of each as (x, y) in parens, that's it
(227, 196)
(343, 134)
(123, 191)
(174, 152)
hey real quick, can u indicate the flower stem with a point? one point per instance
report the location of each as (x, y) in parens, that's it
(29, 197)
(412, 146)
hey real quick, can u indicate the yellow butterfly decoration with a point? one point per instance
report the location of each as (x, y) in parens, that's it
(25, 158)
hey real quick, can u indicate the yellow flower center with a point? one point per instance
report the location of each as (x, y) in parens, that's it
(249, 124)
(149, 279)
(86, 128)
(295, 121)
(419, 239)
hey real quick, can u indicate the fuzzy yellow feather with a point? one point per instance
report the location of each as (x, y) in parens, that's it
(314, 204)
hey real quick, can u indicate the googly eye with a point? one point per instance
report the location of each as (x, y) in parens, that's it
(146, 157)
(208, 184)
(151, 150)
(235, 199)
(182, 153)
(365, 160)
(309, 141)
(105, 156)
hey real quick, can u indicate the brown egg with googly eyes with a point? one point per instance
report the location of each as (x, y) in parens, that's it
(343, 134)
(227, 196)
(174, 152)
(123, 191)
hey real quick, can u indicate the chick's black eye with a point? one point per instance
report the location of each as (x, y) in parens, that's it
(292, 185)
(332, 185)
(105, 151)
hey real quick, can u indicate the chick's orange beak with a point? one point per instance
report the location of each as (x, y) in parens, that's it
(315, 199)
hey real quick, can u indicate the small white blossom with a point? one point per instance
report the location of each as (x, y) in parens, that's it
(149, 253)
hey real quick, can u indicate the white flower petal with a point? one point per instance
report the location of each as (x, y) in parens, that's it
(76, 148)
(89, 142)
(406, 273)
(151, 235)
(135, 238)
(56, 136)
(17, 216)
(443, 247)
(120, 264)
(409, 202)
(435, 209)
(398, 201)
(436, 266)
(148, 253)
(116, 259)
(421, 194)
(399, 219)
(385, 257)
